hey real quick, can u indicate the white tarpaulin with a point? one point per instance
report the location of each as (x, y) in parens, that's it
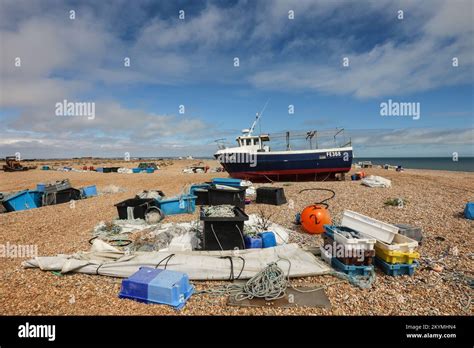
(104, 259)
(376, 181)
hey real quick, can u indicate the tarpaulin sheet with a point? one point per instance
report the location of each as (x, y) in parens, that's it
(104, 259)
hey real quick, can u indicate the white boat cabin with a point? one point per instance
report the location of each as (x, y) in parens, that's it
(254, 142)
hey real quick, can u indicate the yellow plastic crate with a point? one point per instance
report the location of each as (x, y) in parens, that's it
(395, 256)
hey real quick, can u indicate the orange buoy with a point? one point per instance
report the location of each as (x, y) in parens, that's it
(314, 217)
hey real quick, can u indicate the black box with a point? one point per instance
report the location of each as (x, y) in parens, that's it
(61, 196)
(231, 196)
(228, 230)
(140, 206)
(271, 195)
(202, 196)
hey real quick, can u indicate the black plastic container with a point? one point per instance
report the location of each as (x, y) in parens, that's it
(202, 196)
(114, 169)
(140, 206)
(224, 233)
(271, 195)
(231, 196)
(106, 170)
(61, 196)
(64, 196)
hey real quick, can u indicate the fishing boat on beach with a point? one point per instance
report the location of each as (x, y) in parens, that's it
(254, 158)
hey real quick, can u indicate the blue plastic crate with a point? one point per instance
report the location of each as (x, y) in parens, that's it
(23, 200)
(136, 170)
(253, 242)
(469, 211)
(152, 285)
(396, 269)
(40, 187)
(330, 229)
(150, 170)
(178, 205)
(227, 181)
(99, 169)
(89, 191)
(352, 270)
(268, 239)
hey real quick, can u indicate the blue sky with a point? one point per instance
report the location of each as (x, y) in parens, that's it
(190, 62)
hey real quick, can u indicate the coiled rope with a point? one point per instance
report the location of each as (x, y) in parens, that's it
(271, 284)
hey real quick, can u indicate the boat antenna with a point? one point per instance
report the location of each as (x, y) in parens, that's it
(257, 117)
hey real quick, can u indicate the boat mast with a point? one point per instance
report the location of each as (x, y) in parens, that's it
(257, 118)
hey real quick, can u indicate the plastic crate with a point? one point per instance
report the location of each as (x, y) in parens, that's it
(99, 169)
(271, 195)
(195, 187)
(227, 181)
(139, 205)
(396, 269)
(352, 270)
(61, 196)
(469, 211)
(253, 242)
(358, 257)
(413, 232)
(400, 243)
(268, 239)
(219, 195)
(224, 233)
(201, 192)
(150, 170)
(57, 186)
(394, 256)
(202, 196)
(136, 170)
(152, 285)
(365, 242)
(89, 191)
(23, 200)
(183, 204)
(40, 187)
(370, 227)
(326, 255)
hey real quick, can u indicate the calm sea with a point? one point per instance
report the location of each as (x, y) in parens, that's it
(464, 164)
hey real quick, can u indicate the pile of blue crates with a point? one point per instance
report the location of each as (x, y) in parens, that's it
(396, 269)
(31, 199)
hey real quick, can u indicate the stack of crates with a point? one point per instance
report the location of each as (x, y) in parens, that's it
(348, 251)
(399, 257)
(395, 253)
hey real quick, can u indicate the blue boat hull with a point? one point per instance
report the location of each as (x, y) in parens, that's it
(306, 166)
